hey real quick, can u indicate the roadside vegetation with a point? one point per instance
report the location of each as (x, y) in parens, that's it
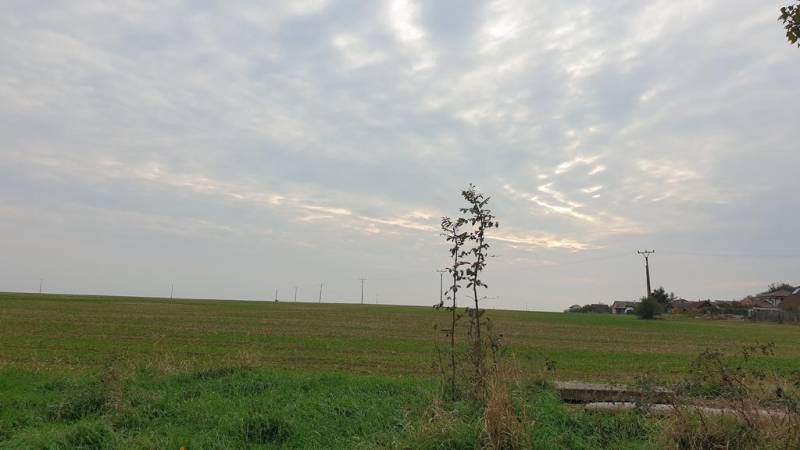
(254, 408)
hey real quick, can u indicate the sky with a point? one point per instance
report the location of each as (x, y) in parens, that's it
(232, 149)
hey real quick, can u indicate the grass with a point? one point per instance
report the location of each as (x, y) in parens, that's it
(230, 408)
(255, 408)
(76, 333)
(106, 372)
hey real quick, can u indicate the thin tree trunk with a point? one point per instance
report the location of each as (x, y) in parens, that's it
(453, 352)
(478, 349)
(453, 331)
(478, 342)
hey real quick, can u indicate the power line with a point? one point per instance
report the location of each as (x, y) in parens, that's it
(732, 255)
(666, 252)
(583, 261)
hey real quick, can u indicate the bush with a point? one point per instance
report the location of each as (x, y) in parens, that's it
(649, 308)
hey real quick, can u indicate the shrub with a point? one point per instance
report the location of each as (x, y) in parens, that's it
(649, 308)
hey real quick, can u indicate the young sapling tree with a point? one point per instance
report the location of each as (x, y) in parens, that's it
(451, 230)
(481, 218)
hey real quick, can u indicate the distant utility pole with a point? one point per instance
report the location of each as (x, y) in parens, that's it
(295, 294)
(171, 290)
(276, 296)
(441, 286)
(362, 289)
(646, 254)
(320, 292)
(41, 280)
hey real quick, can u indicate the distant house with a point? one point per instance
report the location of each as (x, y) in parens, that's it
(707, 307)
(680, 305)
(728, 303)
(766, 304)
(771, 299)
(623, 307)
(792, 301)
(596, 308)
(787, 311)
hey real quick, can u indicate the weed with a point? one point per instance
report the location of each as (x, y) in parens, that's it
(760, 408)
(453, 427)
(5, 432)
(262, 429)
(79, 402)
(89, 436)
(216, 373)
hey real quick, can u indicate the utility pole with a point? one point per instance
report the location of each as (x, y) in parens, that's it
(362, 289)
(320, 292)
(276, 296)
(646, 254)
(171, 290)
(441, 286)
(295, 294)
(41, 280)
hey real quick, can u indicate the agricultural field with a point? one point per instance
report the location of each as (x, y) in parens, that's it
(99, 372)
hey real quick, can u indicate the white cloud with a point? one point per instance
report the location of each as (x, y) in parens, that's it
(594, 126)
(592, 190)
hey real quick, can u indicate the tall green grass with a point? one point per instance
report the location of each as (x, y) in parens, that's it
(248, 408)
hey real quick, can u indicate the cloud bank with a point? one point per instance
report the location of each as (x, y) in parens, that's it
(233, 148)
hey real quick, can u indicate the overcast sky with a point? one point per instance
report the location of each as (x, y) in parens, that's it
(235, 148)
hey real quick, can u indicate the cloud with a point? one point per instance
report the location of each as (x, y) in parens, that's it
(351, 128)
(567, 165)
(592, 190)
(541, 241)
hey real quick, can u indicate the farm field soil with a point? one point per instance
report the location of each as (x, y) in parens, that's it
(75, 333)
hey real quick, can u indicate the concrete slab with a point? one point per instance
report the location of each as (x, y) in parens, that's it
(580, 392)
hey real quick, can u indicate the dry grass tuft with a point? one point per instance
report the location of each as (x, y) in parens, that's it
(502, 427)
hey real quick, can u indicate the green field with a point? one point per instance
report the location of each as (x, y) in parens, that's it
(152, 373)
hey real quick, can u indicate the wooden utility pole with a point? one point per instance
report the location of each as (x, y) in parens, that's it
(441, 286)
(646, 254)
(362, 289)
(276, 296)
(320, 292)
(295, 294)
